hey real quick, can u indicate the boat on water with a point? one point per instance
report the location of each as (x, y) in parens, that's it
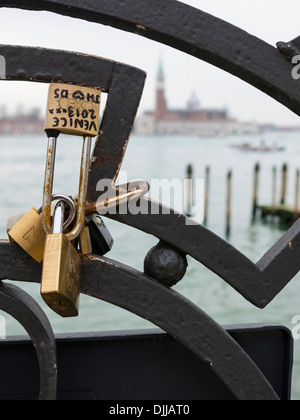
(247, 147)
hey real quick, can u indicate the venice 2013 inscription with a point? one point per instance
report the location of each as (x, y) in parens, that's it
(73, 109)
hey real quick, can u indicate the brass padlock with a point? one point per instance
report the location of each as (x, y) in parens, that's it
(60, 285)
(28, 232)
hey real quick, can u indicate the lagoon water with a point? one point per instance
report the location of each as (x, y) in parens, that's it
(22, 161)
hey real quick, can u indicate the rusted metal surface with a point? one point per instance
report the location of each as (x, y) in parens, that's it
(82, 192)
(48, 184)
(118, 195)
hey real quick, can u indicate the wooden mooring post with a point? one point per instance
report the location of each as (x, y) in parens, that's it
(190, 190)
(296, 204)
(228, 203)
(274, 191)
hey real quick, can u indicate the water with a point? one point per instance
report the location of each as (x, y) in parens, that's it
(21, 179)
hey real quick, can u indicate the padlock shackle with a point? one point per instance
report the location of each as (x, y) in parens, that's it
(117, 196)
(58, 217)
(48, 184)
(69, 202)
(82, 192)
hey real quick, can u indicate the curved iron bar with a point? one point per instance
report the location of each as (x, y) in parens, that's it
(258, 283)
(27, 312)
(192, 31)
(250, 280)
(127, 288)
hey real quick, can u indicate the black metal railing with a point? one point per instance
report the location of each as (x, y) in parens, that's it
(229, 48)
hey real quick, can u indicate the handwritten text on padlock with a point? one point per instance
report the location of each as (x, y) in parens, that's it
(73, 109)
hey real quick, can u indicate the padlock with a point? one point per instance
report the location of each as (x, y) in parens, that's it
(60, 285)
(28, 232)
(71, 110)
(101, 239)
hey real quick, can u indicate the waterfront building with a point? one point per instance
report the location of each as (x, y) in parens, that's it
(191, 120)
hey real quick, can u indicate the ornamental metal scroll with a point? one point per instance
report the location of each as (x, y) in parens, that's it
(27, 312)
(229, 48)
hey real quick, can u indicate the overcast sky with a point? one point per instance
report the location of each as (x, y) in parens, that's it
(271, 20)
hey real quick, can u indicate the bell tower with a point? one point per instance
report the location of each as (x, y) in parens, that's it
(161, 103)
